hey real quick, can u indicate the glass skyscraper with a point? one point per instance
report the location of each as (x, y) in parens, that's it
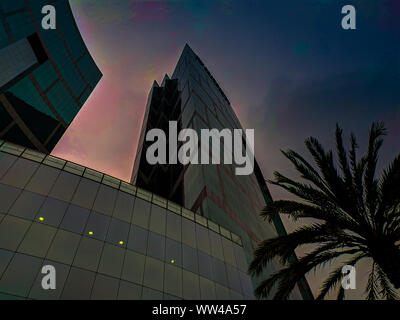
(45, 75)
(193, 98)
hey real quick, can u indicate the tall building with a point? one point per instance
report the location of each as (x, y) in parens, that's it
(194, 99)
(45, 75)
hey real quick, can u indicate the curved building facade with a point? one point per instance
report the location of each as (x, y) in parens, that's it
(106, 238)
(45, 75)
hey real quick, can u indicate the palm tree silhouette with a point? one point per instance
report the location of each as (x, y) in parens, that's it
(357, 217)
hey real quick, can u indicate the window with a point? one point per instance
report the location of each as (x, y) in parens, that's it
(105, 288)
(138, 239)
(133, 267)
(75, 219)
(111, 260)
(37, 241)
(64, 247)
(88, 254)
(78, 285)
(20, 275)
(27, 205)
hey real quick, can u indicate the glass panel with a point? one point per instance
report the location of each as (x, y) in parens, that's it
(158, 219)
(246, 284)
(118, 232)
(6, 161)
(124, 207)
(240, 258)
(8, 195)
(154, 274)
(52, 212)
(20, 173)
(37, 240)
(65, 186)
(173, 280)
(156, 246)
(43, 180)
(75, 219)
(97, 226)
(105, 200)
(85, 193)
(233, 278)
(203, 241)
(205, 265)
(138, 239)
(207, 289)
(129, 291)
(216, 248)
(228, 251)
(20, 275)
(64, 247)
(174, 226)
(219, 272)
(105, 288)
(88, 254)
(12, 230)
(111, 260)
(141, 213)
(222, 292)
(150, 294)
(78, 285)
(188, 233)
(27, 205)
(133, 267)
(189, 258)
(191, 290)
(5, 258)
(173, 252)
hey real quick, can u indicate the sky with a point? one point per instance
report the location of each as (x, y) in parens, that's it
(288, 68)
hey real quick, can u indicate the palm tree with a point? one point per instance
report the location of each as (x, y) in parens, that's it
(357, 217)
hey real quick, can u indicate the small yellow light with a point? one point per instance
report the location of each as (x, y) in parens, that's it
(121, 242)
(172, 261)
(41, 219)
(91, 233)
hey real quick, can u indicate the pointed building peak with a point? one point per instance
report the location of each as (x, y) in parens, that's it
(155, 84)
(166, 77)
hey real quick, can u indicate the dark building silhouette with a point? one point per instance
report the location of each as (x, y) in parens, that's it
(45, 75)
(194, 99)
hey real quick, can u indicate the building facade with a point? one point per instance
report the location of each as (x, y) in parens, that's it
(106, 238)
(45, 75)
(213, 191)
